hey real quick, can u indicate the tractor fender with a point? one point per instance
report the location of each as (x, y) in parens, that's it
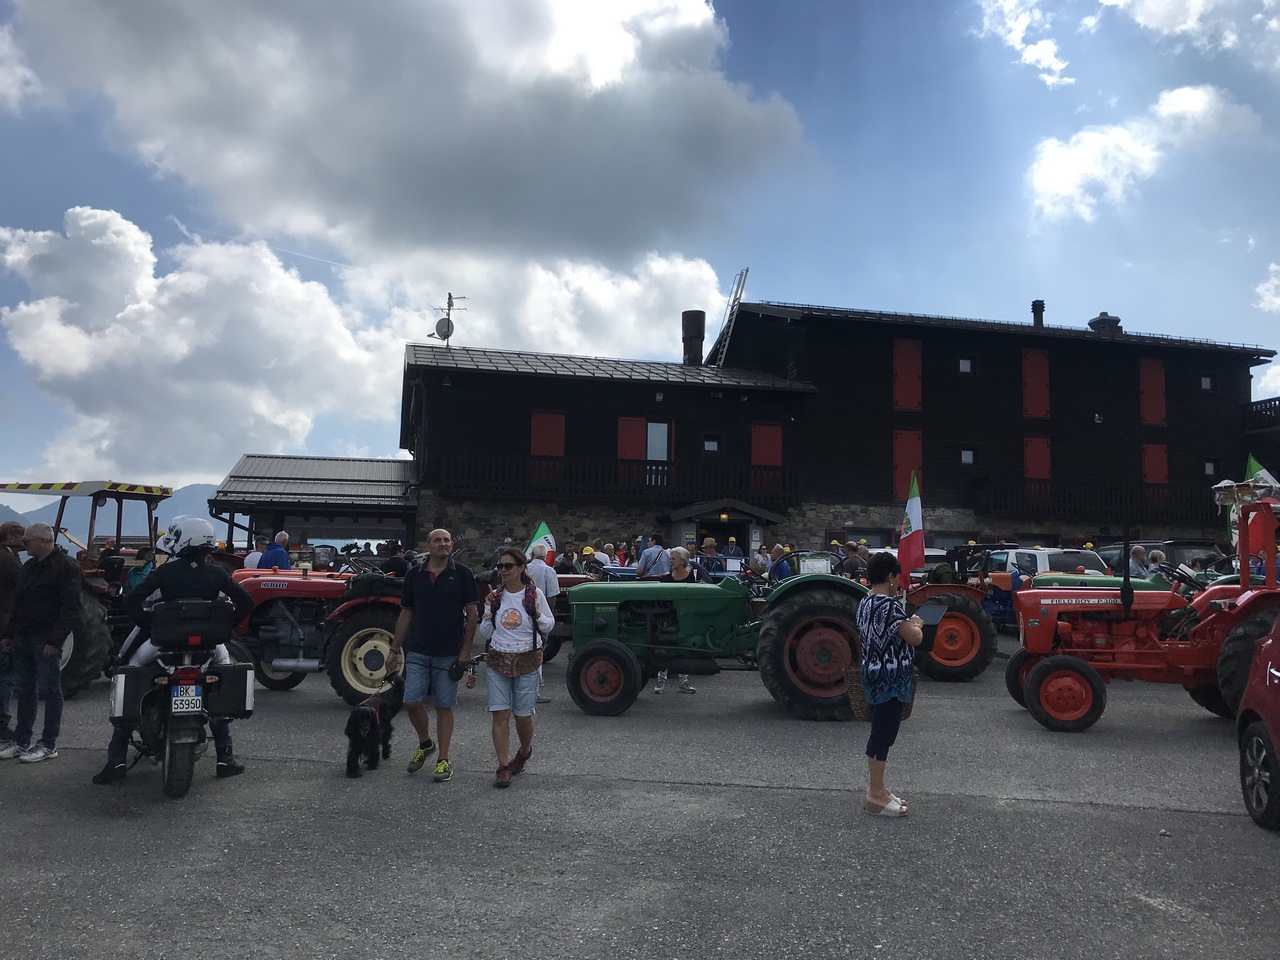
(347, 609)
(918, 595)
(817, 581)
(1255, 601)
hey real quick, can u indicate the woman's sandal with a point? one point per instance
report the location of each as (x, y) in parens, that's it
(894, 808)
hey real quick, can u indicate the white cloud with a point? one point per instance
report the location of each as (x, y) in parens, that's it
(1268, 290)
(1267, 385)
(1250, 28)
(17, 80)
(1089, 24)
(1103, 163)
(1012, 21)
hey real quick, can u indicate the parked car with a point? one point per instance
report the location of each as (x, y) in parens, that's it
(1258, 730)
(1029, 561)
(1176, 552)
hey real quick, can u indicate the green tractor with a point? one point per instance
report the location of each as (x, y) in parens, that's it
(800, 635)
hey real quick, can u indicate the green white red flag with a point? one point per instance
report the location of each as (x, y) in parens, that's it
(1253, 470)
(911, 541)
(542, 535)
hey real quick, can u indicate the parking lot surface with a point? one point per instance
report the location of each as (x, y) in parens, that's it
(711, 825)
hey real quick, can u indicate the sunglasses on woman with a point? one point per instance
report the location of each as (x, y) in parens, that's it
(505, 566)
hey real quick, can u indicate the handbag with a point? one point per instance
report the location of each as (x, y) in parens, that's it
(858, 696)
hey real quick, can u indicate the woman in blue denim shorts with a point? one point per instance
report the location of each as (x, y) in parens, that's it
(516, 618)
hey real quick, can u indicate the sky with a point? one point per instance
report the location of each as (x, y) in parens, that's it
(220, 223)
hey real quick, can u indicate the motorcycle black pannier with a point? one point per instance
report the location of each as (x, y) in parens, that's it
(128, 686)
(233, 697)
(192, 624)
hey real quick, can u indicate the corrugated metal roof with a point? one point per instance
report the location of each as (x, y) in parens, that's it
(321, 481)
(592, 368)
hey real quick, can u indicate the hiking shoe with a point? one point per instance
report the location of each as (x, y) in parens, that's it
(111, 773)
(228, 765)
(420, 755)
(12, 751)
(444, 771)
(519, 760)
(39, 752)
(503, 778)
(686, 686)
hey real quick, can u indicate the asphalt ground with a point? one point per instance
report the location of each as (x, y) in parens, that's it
(711, 825)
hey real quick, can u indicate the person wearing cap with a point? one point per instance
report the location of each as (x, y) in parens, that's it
(10, 570)
(591, 563)
(731, 549)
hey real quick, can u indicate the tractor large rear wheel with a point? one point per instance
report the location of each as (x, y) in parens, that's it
(1210, 697)
(965, 643)
(1065, 694)
(86, 650)
(1235, 656)
(604, 678)
(806, 642)
(357, 655)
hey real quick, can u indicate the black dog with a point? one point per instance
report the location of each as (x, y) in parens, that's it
(369, 727)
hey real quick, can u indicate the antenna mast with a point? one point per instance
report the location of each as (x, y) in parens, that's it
(445, 326)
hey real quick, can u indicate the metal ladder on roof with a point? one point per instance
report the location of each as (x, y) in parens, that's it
(730, 313)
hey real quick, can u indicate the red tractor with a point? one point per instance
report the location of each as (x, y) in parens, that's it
(305, 622)
(1200, 635)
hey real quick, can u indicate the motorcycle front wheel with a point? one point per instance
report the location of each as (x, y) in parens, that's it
(179, 766)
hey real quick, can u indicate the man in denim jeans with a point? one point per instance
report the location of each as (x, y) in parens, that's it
(435, 628)
(46, 608)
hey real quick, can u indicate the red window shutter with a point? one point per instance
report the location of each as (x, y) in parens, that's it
(766, 445)
(906, 374)
(1151, 391)
(546, 435)
(906, 457)
(1035, 458)
(1155, 463)
(633, 438)
(1035, 383)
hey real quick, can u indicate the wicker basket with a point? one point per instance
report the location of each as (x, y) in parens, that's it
(858, 696)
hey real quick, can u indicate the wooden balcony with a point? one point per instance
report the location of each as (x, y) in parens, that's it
(1093, 502)
(602, 478)
(1263, 416)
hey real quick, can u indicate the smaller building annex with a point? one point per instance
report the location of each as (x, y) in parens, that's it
(315, 498)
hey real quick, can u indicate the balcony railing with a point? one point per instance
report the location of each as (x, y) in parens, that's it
(562, 478)
(1263, 416)
(1090, 502)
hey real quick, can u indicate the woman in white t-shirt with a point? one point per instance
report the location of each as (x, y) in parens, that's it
(516, 619)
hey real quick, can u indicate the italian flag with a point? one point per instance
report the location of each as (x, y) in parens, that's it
(911, 542)
(1253, 471)
(542, 535)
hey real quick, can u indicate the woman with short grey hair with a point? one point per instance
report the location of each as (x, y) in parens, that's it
(682, 571)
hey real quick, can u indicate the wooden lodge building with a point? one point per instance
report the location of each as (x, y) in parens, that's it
(802, 424)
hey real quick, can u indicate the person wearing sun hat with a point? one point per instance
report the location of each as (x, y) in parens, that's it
(709, 557)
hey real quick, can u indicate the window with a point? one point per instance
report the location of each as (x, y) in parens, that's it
(639, 439)
(1211, 468)
(1155, 463)
(1035, 458)
(1206, 382)
(968, 456)
(907, 449)
(766, 457)
(1035, 384)
(1151, 391)
(967, 365)
(546, 435)
(657, 446)
(711, 443)
(906, 374)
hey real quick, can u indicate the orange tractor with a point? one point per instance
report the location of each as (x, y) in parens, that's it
(1198, 634)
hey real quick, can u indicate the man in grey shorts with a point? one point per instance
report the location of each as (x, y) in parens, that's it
(435, 628)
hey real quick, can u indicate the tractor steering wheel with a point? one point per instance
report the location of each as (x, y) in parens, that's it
(1175, 575)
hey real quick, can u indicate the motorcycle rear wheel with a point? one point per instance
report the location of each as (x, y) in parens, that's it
(179, 766)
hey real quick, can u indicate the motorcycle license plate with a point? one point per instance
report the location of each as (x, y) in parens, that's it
(187, 698)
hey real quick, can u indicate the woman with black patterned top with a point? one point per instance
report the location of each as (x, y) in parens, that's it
(889, 638)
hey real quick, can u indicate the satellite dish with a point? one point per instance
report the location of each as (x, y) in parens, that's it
(444, 328)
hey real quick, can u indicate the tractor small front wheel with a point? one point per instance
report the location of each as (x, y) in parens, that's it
(604, 678)
(1015, 674)
(1065, 694)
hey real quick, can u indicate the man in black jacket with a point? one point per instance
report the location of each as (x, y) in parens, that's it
(10, 570)
(46, 607)
(190, 575)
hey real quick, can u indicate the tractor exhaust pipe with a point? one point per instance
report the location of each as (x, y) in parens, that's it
(297, 665)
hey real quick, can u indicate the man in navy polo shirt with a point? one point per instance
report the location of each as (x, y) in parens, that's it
(435, 628)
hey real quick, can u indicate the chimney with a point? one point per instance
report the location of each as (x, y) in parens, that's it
(1037, 313)
(1106, 324)
(693, 329)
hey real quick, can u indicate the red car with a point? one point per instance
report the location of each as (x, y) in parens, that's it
(1258, 731)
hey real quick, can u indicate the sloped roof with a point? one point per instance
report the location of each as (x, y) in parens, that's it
(567, 366)
(316, 481)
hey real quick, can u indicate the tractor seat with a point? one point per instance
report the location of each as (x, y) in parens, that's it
(112, 569)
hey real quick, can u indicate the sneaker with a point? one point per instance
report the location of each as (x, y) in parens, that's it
(111, 773)
(519, 760)
(543, 699)
(420, 755)
(39, 752)
(12, 751)
(503, 778)
(686, 686)
(444, 771)
(659, 684)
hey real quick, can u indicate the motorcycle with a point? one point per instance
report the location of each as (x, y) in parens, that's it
(170, 701)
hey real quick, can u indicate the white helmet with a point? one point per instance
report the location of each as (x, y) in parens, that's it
(186, 534)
